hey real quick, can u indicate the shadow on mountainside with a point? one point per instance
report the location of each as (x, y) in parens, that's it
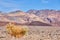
(37, 23)
(33, 23)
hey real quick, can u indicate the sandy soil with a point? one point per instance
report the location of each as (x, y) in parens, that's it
(35, 33)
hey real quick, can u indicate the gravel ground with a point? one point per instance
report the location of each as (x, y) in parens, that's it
(35, 33)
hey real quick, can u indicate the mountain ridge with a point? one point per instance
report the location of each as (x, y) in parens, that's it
(45, 16)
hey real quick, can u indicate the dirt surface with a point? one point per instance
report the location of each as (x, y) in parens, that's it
(34, 33)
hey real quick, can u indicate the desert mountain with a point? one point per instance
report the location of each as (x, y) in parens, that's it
(32, 16)
(49, 16)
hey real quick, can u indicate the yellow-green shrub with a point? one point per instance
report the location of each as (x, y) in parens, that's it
(16, 31)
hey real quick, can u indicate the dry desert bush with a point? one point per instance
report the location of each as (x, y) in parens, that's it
(16, 31)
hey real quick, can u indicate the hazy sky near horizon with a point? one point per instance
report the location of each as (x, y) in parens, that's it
(24, 5)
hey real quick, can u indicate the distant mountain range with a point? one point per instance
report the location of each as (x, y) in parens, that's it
(49, 17)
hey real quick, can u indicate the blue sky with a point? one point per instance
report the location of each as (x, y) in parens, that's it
(24, 5)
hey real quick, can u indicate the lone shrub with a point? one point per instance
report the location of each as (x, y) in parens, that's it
(16, 31)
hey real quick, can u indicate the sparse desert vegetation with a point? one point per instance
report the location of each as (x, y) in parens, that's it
(29, 20)
(16, 31)
(34, 33)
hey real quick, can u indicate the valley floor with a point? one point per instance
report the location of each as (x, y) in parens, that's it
(34, 33)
